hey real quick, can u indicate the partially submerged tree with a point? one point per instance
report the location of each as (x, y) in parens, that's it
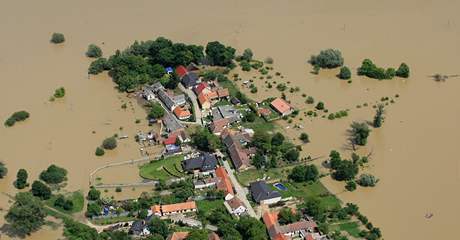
(39, 189)
(109, 143)
(378, 119)
(94, 51)
(403, 71)
(26, 215)
(329, 58)
(359, 133)
(57, 38)
(21, 179)
(3, 170)
(345, 73)
(367, 180)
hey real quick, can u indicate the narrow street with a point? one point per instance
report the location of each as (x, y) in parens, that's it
(241, 192)
(196, 108)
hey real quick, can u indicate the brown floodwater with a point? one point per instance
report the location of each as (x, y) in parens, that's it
(413, 154)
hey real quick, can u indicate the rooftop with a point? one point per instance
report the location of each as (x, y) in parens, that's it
(204, 162)
(281, 106)
(260, 191)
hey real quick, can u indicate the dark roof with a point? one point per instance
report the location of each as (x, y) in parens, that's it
(190, 79)
(204, 162)
(260, 191)
(239, 158)
(166, 99)
(137, 227)
(235, 101)
(171, 123)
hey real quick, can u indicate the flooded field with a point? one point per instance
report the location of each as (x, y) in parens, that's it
(414, 154)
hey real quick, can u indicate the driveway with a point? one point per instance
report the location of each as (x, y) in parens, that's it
(241, 192)
(196, 108)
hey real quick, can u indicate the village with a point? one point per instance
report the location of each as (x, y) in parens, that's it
(203, 103)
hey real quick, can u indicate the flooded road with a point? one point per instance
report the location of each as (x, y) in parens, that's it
(414, 154)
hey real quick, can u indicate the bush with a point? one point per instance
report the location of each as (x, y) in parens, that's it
(16, 117)
(59, 93)
(93, 194)
(367, 180)
(57, 38)
(94, 51)
(118, 189)
(99, 151)
(320, 106)
(269, 60)
(109, 143)
(21, 179)
(98, 66)
(245, 66)
(156, 111)
(351, 186)
(369, 69)
(310, 100)
(403, 71)
(53, 174)
(39, 189)
(345, 73)
(3, 170)
(329, 58)
(304, 137)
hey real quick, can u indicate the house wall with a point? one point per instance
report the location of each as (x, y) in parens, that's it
(271, 201)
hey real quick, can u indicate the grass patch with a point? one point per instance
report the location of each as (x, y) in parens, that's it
(155, 169)
(305, 190)
(77, 199)
(260, 125)
(222, 102)
(350, 227)
(112, 220)
(252, 175)
(206, 206)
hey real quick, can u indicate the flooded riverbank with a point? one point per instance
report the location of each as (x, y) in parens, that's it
(413, 154)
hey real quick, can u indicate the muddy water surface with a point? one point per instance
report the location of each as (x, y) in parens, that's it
(413, 154)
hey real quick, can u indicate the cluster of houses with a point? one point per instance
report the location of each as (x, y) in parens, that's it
(303, 229)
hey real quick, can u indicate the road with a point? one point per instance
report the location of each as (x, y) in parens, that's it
(196, 107)
(241, 192)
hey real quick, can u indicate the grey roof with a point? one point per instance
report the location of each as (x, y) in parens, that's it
(235, 101)
(204, 162)
(156, 86)
(190, 79)
(260, 191)
(166, 99)
(230, 113)
(179, 99)
(137, 227)
(171, 123)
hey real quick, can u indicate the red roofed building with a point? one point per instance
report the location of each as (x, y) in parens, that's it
(282, 106)
(181, 71)
(171, 139)
(264, 112)
(224, 183)
(200, 87)
(182, 113)
(302, 229)
(223, 93)
(204, 101)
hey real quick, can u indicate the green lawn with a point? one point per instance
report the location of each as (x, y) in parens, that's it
(305, 190)
(77, 198)
(206, 206)
(260, 125)
(155, 170)
(251, 175)
(351, 227)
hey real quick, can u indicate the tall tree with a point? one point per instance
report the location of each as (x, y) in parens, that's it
(378, 119)
(220, 54)
(3, 170)
(359, 133)
(26, 215)
(39, 189)
(21, 179)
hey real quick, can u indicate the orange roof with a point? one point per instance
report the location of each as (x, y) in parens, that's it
(178, 236)
(200, 87)
(202, 98)
(181, 112)
(224, 184)
(156, 208)
(178, 207)
(223, 92)
(281, 106)
(280, 236)
(172, 138)
(270, 218)
(264, 111)
(212, 95)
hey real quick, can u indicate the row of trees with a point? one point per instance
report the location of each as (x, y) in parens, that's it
(271, 149)
(16, 117)
(369, 69)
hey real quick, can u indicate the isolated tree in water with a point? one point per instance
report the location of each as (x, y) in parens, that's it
(359, 133)
(26, 215)
(378, 119)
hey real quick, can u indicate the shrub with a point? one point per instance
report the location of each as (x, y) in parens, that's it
(39, 189)
(367, 180)
(310, 100)
(59, 93)
(369, 69)
(57, 38)
(304, 137)
(269, 60)
(345, 73)
(94, 51)
(359, 133)
(21, 179)
(98, 66)
(351, 186)
(118, 189)
(109, 143)
(329, 58)
(403, 71)
(53, 174)
(320, 106)
(331, 116)
(3, 170)
(99, 151)
(16, 117)
(245, 66)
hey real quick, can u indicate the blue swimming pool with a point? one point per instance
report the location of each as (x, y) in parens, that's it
(280, 186)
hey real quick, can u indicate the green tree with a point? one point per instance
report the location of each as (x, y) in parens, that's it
(26, 215)
(220, 54)
(262, 141)
(16, 117)
(3, 170)
(251, 228)
(367, 180)
(350, 186)
(277, 139)
(304, 138)
(345, 73)
(156, 111)
(329, 58)
(57, 38)
(77, 231)
(359, 133)
(292, 155)
(99, 151)
(310, 100)
(247, 55)
(93, 194)
(345, 171)
(93, 209)
(53, 175)
(204, 140)
(311, 173)
(378, 118)
(97, 66)
(94, 51)
(109, 143)
(197, 234)
(403, 71)
(21, 179)
(258, 160)
(304, 173)
(158, 226)
(314, 208)
(59, 93)
(287, 216)
(320, 106)
(39, 189)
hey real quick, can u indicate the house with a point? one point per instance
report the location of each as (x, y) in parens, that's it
(169, 100)
(205, 183)
(204, 101)
(303, 229)
(189, 80)
(264, 112)
(171, 123)
(224, 184)
(262, 194)
(139, 228)
(184, 235)
(218, 126)
(172, 148)
(227, 111)
(182, 113)
(148, 94)
(204, 163)
(236, 206)
(223, 93)
(199, 88)
(239, 157)
(181, 71)
(185, 207)
(282, 106)
(235, 101)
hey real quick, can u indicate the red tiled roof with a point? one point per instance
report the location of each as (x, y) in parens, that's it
(180, 112)
(178, 207)
(203, 98)
(264, 111)
(178, 236)
(181, 71)
(171, 139)
(219, 125)
(212, 95)
(281, 106)
(223, 92)
(200, 87)
(225, 184)
(270, 219)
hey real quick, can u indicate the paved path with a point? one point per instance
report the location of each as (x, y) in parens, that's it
(192, 97)
(241, 192)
